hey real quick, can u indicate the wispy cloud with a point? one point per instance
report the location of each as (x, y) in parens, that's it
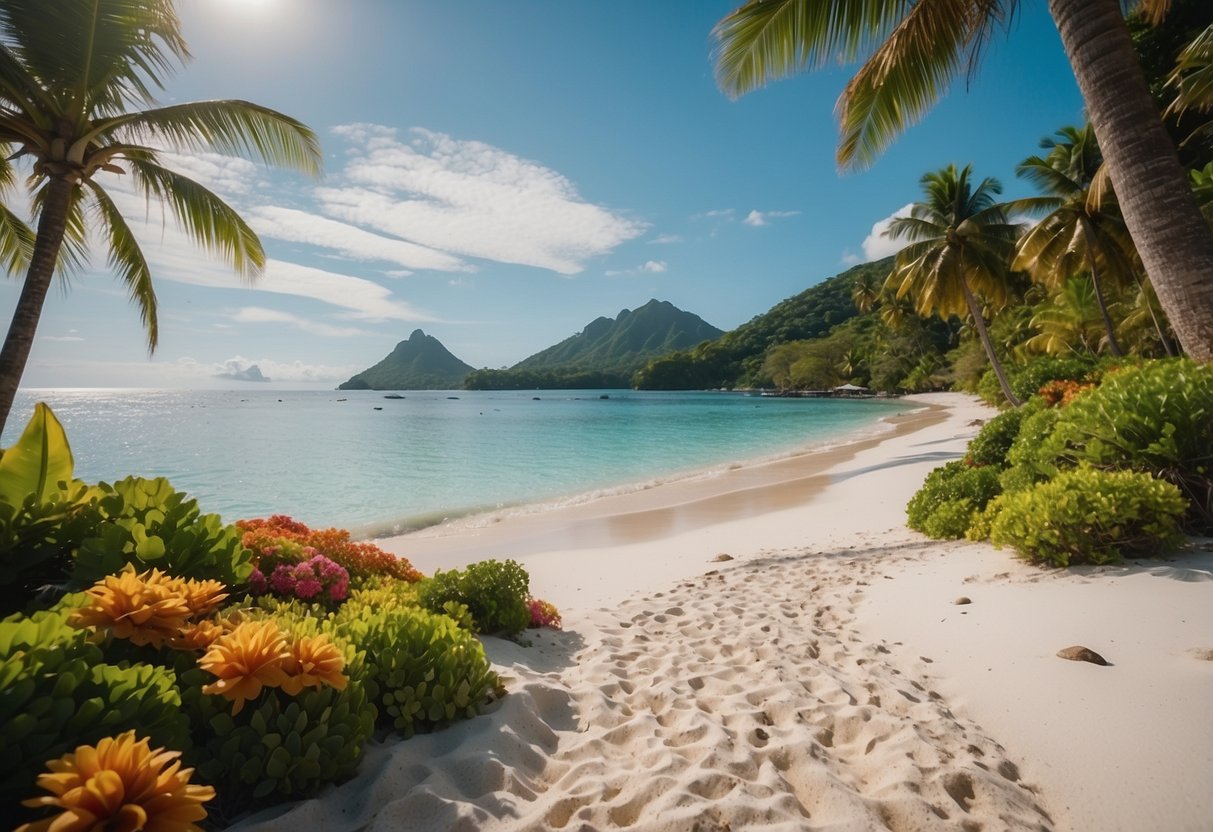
(757, 219)
(647, 267)
(228, 176)
(876, 245)
(296, 226)
(261, 315)
(469, 199)
(60, 338)
(665, 240)
(279, 371)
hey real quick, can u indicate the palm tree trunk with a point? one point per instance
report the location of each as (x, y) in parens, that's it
(51, 228)
(1092, 251)
(980, 324)
(1175, 242)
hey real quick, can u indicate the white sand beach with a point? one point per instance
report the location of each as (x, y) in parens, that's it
(820, 677)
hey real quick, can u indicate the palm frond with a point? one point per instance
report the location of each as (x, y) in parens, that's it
(113, 51)
(21, 91)
(126, 258)
(16, 242)
(1192, 77)
(765, 40)
(234, 127)
(907, 74)
(1033, 206)
(210, 221)
(74, 252)
(1047, 177)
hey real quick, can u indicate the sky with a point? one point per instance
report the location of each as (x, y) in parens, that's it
(499, 174)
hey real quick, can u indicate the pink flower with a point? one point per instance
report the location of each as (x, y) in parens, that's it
(257, 582)
(282, 581)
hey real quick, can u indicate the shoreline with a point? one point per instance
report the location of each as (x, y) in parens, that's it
(822, 677)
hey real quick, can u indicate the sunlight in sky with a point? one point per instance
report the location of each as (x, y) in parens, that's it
(506, 173)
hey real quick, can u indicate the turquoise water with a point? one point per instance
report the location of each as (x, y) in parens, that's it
(376, 465)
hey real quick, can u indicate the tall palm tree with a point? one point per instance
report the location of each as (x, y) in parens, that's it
(1077, 234)
(959, 243)
(1068, 322)
(914, 50)
(865, 292)
(76, 98)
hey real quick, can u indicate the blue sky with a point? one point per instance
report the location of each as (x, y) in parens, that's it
(501, 173)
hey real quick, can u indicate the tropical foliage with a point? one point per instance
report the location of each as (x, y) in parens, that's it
(77, 99)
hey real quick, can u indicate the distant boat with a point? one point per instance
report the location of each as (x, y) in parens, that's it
(393, 396)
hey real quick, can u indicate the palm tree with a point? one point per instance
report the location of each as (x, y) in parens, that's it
(76, 98)
(959, 244)
(913, 52)
(1078, 234)
(865, 292)
(1068, 322)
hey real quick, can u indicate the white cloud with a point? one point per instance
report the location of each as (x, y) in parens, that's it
(850, 258)
(665, 240)
(876, 245)
(758, 219)
(279, 371)
(225, 175)
(647, 267)
(720, 213)
(354, 243)
(261, 315)
(60, 338)
(470, 199)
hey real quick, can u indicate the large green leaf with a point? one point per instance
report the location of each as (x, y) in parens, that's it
(38, 462)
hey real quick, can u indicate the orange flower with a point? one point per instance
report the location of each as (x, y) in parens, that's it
(202, 597)
(199, 636)
(250, 657)
(143, 608)
(314, 662)
(121, 784)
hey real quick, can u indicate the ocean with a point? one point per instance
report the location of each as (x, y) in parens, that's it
(378, 466)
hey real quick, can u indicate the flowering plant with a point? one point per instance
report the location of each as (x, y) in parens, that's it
(285, 536)
(315, 579)
(146, 608)
(120, 784)
(543, 614)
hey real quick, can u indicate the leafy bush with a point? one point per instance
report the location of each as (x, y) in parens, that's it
(994, 440)
(1063, 391)
(1155, 418)
(1027, 380)
(950, 496)
(148, 524)
(362, 560)
(285, 742)
(1090, 516)
(1028, 460)
(423, 669)
(494, 592)
(57, 692)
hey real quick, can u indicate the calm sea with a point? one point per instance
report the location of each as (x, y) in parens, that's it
(376, 465)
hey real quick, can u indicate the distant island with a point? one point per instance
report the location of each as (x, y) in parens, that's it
(605, 353)
(250, 373)
(420, 363)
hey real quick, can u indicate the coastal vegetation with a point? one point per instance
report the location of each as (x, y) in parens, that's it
(1113, 462)
(77, 84)
(142, 635)
(419, 363)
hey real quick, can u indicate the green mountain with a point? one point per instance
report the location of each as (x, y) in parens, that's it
(735, 359)
(420, 363)
(605, 353)
(627, 341)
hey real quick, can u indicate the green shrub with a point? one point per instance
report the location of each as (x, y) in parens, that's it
(57, 692)
(1090, 516)
(1155, 418)
(1028, 459)
(423, 669)
(37, 539)
(949, 497)
(147, 523)
(994, 440)
(279, 746)
(495, 593)
(1027, 380)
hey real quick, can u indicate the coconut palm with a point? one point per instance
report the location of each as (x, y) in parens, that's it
(865, 292)
(1077, 234)
(77, 79)
(1069, 322)
(915, 49)
(959, 243)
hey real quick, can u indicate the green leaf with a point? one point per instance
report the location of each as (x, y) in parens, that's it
(150, 548)
(39, 460)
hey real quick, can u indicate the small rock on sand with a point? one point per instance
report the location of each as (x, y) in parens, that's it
(962, 600)
(1078, 653)
(721, 558)
(1204, 654)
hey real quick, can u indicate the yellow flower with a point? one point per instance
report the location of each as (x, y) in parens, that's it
(314, 662)
(250, 657)
(120, 785)
(143, 608)
(199, 636)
